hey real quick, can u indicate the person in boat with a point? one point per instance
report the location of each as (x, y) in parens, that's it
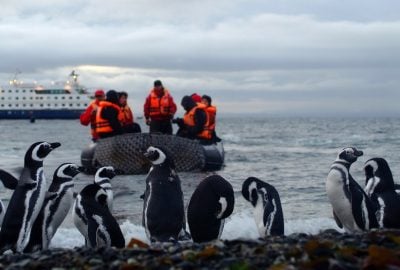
(159, 109)
(195, 123)
(89, 115)
(211, 111)
(126, 115)
(107, 116)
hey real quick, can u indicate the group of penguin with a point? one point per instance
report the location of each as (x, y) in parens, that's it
(355, 209)
(35, 212)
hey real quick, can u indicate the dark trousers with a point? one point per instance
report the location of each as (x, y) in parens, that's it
(161, 126)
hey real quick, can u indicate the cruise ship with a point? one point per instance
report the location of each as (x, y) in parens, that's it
(33, 101)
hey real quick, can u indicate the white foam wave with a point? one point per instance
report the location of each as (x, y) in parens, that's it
(238, 226)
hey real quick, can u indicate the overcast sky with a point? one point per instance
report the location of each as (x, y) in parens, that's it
(326, 57)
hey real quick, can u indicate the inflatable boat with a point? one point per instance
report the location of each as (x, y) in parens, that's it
(125, 153)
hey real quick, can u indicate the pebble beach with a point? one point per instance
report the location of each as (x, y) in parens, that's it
(326, 250)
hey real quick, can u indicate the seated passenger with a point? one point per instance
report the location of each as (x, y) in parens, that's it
(212, 113)
(194, 124)
(126, 116)
(89, 115)
(107, 121)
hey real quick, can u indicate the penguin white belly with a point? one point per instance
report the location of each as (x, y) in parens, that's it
(259, 217)
(58, 216)
(340, 203)
(79, 223)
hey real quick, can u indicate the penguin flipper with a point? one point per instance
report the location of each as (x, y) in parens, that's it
(92, 233)
(338, 222)
(9, 181)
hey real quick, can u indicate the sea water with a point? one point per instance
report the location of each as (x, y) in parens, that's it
(292, 154)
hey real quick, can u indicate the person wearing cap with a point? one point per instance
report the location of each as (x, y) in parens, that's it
(196, 98)
(211, 111)
(89, 115)
(194, 124)
(107, 116)
(159, 109)
(126, 117)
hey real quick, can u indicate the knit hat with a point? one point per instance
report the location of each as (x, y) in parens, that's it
(157, 83)
(99, 93)
(196, 98)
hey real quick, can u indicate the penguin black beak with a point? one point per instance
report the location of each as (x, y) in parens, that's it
(55, 145)
(358, 153)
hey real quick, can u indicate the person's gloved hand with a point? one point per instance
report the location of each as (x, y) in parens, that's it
(148, 121)
(178, 121)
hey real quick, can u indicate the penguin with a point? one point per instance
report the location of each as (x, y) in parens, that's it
(102, 228)
(211, 203)
(268, 212)
(10, 182)
(352, 208)
(57, 203)
(163, 208)
(26, 200)
(380, 187)
(102, 178)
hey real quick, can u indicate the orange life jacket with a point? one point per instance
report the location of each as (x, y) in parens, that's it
(93, 116)
(160, 106)
(103, 125)
(211, 112)
(188, 119)
(125, 116)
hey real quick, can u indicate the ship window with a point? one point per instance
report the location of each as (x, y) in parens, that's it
(9, 91)
(31, 105)
(23, 98)
(16, 91)
(2, 91)
(41, 98)
(63, 105)
(9, 105)
(70, 97)
(9, 98)
(16, 105)
(2, 105)
(78, 97)
(16, 98)
(36, 98)
(41, 105)
(2, 98)
(23, 105)
(30, 98)
(56, 105)
(70, 105)
(23, 91)
(55, 97)
(49, 105)
(62, 97)
(86, 104)
(31, 90)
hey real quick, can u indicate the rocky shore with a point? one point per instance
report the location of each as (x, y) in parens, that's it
(327, 250)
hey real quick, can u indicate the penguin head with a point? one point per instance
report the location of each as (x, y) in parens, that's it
(94, 192)
(378, 176)
(105, 172)
(250, 190)
(349, 155)
(38, 151)
(159, 156)
(66, 170)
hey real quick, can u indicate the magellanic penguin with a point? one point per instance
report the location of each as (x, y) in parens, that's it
(27, 199)
(102, 178)
(102, 229)
(10, 182)
(352, 208)
(211, 203)
(163, 209)
(58, 201)
(380, 187)
(268, 212)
